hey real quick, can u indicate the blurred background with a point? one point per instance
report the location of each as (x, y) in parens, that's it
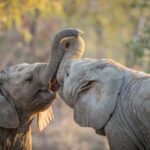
(118, 29)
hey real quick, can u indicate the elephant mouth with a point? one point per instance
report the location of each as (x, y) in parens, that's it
(42, 99)
(45, 95)
(54, 85)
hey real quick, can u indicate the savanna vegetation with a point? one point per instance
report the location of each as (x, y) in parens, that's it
(118, 29)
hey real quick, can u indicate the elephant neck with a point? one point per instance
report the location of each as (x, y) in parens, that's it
(23, 138)
(16, 139)
(25, 119)
(128, 111)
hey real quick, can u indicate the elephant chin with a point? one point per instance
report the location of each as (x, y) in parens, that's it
(63, 95)
(70, 103)
(54, 85)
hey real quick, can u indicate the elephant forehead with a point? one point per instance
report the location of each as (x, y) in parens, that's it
(21, 70)
(80, 67)
(15, 68)
(25, 68)
(81, 64)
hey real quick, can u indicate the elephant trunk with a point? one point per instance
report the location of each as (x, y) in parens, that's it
(74, 48)
(58, 51)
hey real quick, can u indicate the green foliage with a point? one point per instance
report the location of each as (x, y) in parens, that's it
(108, 25)
(14, 10)
(140, 43)
(22, 14)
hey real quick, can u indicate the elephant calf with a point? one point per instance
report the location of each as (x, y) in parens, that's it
(110, 98)
(24, 93)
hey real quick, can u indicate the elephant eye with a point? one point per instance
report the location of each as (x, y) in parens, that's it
(87, 85)
(67, 74)
(67, 44)
(29, 78)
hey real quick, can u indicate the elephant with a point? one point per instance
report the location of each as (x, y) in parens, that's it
(25, 94)
(110, 98)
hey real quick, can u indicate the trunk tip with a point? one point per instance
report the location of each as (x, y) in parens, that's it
(69, 32)
(75, 30)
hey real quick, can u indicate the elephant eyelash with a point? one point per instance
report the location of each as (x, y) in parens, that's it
(67, 74)
(87, 85)
(29, 79)
(67, 45)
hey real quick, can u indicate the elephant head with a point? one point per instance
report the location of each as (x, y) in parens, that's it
(90, 87)
(110, 98)
(24, 88)
(24, 93)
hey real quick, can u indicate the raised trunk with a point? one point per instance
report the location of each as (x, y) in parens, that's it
(58, 50)
(74, 50)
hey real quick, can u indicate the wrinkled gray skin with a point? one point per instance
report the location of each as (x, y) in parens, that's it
(24, 93)
(108, 97)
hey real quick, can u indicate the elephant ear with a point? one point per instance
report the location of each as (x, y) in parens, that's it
(8, 115)
(44, 117)
(96, 103)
